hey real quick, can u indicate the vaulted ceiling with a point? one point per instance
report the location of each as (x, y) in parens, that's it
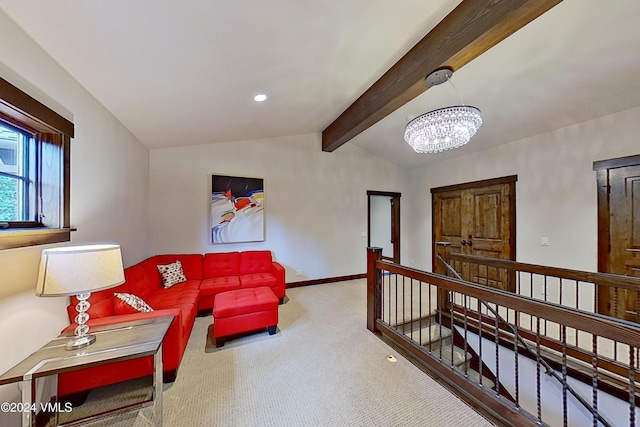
(185, 72)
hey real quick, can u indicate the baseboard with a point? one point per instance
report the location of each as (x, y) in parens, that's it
(325, 280)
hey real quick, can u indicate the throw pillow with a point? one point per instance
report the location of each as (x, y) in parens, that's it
(172, 274)
(128, 303)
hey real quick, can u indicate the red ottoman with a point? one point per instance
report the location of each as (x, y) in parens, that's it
(244, 310)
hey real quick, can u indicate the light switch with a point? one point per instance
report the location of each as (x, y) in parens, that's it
(544, 241)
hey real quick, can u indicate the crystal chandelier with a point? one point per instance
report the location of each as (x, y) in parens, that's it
(444, 128)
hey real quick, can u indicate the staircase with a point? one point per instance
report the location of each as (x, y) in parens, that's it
(441, 342)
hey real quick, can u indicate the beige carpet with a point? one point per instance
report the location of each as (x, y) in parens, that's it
(321, 368)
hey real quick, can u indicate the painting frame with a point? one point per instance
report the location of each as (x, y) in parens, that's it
(236, 209)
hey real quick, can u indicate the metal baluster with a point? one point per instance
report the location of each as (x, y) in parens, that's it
(396, 322)
(410, 303)
(545, 298)
(453, 296)
(382, 300)
(440, 329)
(497, 341)
(564, 376)
(430, 316)
(516, 338)
(389, 312)
(419, 308)
(404, 310)
(538, 397)
(480, 340)
(632, 388)
(531, 295)
(466, 370)
(387, 291)
(594, 378)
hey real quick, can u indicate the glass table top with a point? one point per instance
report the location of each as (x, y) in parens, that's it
(115, 342)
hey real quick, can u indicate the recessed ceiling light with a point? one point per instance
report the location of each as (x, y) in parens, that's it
(260, 97)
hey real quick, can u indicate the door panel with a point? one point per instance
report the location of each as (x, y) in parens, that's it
(478, 219)
(624, 238)
(450, 219)
(486, 216)
(490, 235)
(451, 216)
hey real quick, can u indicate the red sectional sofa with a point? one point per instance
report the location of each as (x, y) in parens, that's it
(207, 275)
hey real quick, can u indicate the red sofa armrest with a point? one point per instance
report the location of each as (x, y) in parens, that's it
(278, 271)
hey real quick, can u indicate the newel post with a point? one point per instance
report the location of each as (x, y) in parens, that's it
(374, 280)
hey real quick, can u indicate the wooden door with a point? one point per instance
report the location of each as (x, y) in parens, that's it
(619, 233)
(478, 219)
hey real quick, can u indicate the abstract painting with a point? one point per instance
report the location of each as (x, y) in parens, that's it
(237, 209)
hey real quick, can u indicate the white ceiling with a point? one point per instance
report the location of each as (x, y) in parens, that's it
(181, 72)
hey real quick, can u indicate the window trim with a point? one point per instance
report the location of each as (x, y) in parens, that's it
(20, 109)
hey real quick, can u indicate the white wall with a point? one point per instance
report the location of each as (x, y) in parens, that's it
(315, 202)
(555, 192)
(109, 190)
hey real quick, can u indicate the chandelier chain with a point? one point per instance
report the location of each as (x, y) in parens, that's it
(456, 89)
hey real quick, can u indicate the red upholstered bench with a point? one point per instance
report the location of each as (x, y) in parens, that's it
(244, 310)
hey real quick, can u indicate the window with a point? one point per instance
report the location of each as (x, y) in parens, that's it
(17, 176)
(34, 171)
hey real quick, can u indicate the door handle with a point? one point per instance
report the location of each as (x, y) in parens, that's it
(463, 242)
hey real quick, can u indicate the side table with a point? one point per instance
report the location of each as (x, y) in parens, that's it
(114, 343)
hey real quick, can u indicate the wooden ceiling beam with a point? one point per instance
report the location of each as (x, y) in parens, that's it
(468, 31)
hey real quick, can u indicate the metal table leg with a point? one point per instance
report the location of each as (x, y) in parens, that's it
(157, 386)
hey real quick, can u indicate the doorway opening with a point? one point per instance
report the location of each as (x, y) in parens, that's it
(383, 224)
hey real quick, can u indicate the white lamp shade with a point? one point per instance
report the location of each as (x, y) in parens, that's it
(73, 270)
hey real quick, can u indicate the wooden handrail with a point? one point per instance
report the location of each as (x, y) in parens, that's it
(602, 279)
(604, 326)
(480, 309)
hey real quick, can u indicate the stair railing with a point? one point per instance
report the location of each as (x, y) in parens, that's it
(548, 369)
(399, 299)
(583, 290)
(614, 295)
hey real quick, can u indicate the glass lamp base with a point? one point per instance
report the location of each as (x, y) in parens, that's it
(80, 342)
(82, 337)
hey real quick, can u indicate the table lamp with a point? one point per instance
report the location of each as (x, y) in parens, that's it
(80, 270)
